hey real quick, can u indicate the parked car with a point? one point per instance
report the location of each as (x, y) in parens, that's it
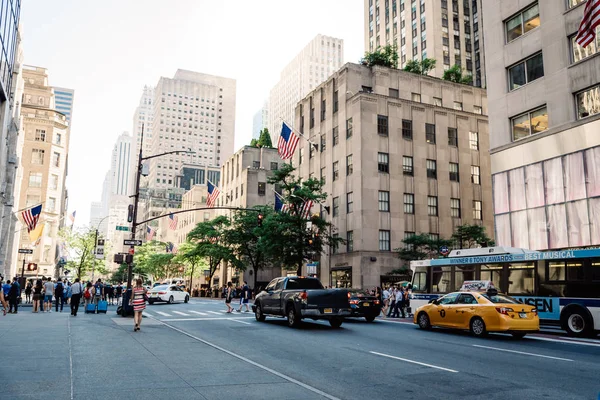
(298, 297)
(363, 304)
(168, 294)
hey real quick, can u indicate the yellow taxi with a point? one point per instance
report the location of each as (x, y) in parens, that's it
(479, 308)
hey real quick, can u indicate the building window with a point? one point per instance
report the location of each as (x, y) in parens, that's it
(40, 135)
(382, 125)
(323, 175)
(526, 71)
(58, 139)
(384, 201)
(262, 188)
(349, 167)
(394, 93)
(530, 123)
(452, 137)
(323, 143)
(437, 102)
(349, 241)
(474, 140)
(336, 206)
(588, 102)
(458, 106)
(573, 3)
(432, 205)
(475, 178)
(53, 182)
(51, 206)
(384, 241)
(383, 162)
(348, 128)
(522, 23)
(311, 123)
(579, 53)
(35, 179)
(334, 246)
(323, 110)
(311, 150)
(455, 208)
(274, 166)
(56, 159)
(409, 203)
(477, 210)
(477, 110)
(336, 170)
(407, 129)
(349, 203)
(415, 97)
(454, 176)
(255, 164)
(301, 156)
(37, 156)
(431, 169)
(336, 136)
(430, 133)
(335, 102)
(407, 165)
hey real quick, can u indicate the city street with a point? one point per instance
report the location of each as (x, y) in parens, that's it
(197, 351)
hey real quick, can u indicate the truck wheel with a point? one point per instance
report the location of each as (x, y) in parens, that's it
(336, 322)
(370, 318)
(258, 313)
(292, 318)
(577, 322)
(150, 302)
(478, 327)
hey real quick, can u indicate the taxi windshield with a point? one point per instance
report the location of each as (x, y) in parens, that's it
(500, 299)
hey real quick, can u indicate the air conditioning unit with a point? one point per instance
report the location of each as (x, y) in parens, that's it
(12, 159)
(9, 202)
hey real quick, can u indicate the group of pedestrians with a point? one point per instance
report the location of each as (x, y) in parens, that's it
(396, 301)
(11, 291)
(245, 294)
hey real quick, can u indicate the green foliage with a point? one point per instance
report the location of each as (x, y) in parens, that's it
(384, 56)
(455, 74)
(421, 247)
(468, 236)
(120, 275)
(81, 245)
(189, 257)
(142, 258)
(265, 139)
(420, 67)
(254, 143)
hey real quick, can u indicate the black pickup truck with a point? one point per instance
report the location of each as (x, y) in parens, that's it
(298, 297)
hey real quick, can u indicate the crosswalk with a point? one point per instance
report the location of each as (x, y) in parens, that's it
(189, 313)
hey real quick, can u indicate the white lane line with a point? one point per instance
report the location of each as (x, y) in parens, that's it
(237, 320)
(263, 367)
(521, 352)
(181, 313)
(396, 322)
(163, 313)
(202, 319)
(215, 313)
(197, 312)
(595, 341)
(413, 362)
(562, 341)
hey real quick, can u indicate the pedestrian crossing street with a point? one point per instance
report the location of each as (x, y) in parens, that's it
(197, 311)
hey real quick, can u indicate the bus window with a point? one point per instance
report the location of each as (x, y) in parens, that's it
(556, 271)
(595, 270)
(574, 271)
(419, 281)
(492, 272)
(441, 277)
(521, 278)
(463, 273)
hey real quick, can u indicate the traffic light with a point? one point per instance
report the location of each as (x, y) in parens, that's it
(130, 213)
(31, 267)
(118, 259)
(260, 219)
(129, 258)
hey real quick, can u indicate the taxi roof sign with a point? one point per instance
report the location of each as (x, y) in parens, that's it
(477, 286)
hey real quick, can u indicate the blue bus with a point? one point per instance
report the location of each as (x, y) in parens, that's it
(564, 285)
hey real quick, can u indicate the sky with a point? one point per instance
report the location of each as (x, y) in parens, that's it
(108, 50)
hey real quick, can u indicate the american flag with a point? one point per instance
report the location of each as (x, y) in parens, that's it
(213, 194)
(280, 205)
(591, 19)
(72, 217)
(150, 233)
(305, 209)
(172, 248)
(287, 143)
(173, 222)
(31, 217)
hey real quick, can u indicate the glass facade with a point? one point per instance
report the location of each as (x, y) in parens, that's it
(9, 24)
(551, 204)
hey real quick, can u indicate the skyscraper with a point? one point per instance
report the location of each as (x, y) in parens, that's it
(260, 120)
(64, 101)
(544, 102)
(316, 61)
(192, 111)
(119, 165)
(143, 117)
(421, 29)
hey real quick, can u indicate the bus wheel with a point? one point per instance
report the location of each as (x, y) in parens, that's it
(577, 322)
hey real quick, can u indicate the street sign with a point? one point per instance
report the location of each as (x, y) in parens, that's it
(132, 242)
(122, 228)
(444, 250)
(99, 249)
(25, 251)
(100, 242)
(311, 268)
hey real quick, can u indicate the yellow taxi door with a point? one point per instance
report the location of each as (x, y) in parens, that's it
(464, 309)
(440, 315)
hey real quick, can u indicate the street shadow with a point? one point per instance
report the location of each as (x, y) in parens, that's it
(306, 325)
(491, 337)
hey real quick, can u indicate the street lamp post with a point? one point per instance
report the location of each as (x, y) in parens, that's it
(96, 245)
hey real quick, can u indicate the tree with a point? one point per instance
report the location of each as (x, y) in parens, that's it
(287, 241)
(254, 143)
(468, 236)
(455, 74)
(208, 239)
(81, 244)
(421, 247)
(189, 256)
(264, 139)
(420, 67)
(161, 265)
(120, 275)
(385, 56)
(142, 259)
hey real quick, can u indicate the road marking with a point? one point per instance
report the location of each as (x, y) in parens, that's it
(70, 357)
(531, 337)
(214, 312)
(413, 362)
(521, 352)
(396, 322)
(202, 319)
(247, 360)
(163, 313)
(181, 313)
(197, 312)
(237, 320)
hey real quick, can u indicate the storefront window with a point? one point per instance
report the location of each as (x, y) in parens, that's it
(492, 273)
(463, 273)
(441, 277)
(521, 279)
(341, 278)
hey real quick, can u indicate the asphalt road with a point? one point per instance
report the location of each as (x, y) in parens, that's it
(197, 351)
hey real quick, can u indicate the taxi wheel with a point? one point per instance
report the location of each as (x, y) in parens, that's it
(423, 321)
(478, 327)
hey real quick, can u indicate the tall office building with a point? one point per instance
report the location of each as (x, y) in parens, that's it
(260, 120)
(192, 111)
(321, 57)
(64, 101)
(401, 154)
(119, 165)
(421, 29)
(43, 166)
(143, 117)
(544, 101)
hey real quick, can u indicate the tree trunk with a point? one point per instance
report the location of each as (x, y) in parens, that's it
(255, 268)
(192, 280)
